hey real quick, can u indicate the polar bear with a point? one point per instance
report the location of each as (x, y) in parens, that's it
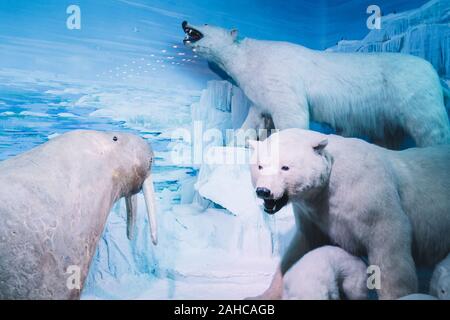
(392, 206)
(440, 280)
(326, 273)
(381, 96)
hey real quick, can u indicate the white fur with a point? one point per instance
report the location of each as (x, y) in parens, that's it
(378, 95)
(418, 296)
(323, 273)
(392, 206)
(440, 281)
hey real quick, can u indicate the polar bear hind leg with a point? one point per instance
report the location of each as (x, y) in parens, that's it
(422, 113)
(430, 127)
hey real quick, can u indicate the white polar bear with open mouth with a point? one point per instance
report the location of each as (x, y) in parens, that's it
(382, 96)
(392, 206)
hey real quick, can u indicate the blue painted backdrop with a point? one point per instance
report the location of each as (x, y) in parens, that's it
(33, 34)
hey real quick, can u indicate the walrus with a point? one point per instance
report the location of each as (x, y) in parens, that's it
(54, 202)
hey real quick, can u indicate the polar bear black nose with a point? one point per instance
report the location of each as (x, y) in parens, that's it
(263, 193)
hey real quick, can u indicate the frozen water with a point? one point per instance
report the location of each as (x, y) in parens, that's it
(222, 107)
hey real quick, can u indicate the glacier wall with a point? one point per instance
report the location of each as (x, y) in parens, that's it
(228, 185)
(221, 106)
(423, 32)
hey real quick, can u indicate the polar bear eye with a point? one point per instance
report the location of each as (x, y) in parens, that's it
(260, 167)
(285, 168)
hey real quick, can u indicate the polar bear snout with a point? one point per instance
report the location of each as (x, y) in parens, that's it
(263, 193)
(271, 204)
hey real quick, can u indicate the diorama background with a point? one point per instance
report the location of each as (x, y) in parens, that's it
(127, 69)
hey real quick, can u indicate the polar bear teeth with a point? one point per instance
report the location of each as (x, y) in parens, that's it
(269, 204)
(192, 35)
(272, 206)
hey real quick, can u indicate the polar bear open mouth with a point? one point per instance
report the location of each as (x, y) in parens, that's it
(272, 206)
(192, 35)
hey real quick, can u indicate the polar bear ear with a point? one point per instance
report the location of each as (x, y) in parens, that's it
(320, 146)
(234, 34)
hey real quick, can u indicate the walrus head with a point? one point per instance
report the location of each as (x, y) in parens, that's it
(127, 158)
(132, 173)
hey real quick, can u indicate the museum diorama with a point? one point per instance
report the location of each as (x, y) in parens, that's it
(260, 150)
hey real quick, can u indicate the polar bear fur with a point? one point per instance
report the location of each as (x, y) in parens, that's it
(440, 280)
(392, 206)
(418, 296)
(325, 273)
(382, 96)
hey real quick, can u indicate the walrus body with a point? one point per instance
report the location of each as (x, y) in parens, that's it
(54, 202)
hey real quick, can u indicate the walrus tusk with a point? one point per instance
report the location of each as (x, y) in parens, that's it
(131, 204)
(149, 197)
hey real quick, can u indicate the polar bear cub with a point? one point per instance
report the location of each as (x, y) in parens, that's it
(440, 280)
(326, 273)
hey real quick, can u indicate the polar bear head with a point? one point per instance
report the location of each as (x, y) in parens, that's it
(208, 41)
(290, 165)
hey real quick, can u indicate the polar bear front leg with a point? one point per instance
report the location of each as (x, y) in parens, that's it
(252, 128)
(390, 250)
(285, 121)
(253, 118)
(290, 113)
